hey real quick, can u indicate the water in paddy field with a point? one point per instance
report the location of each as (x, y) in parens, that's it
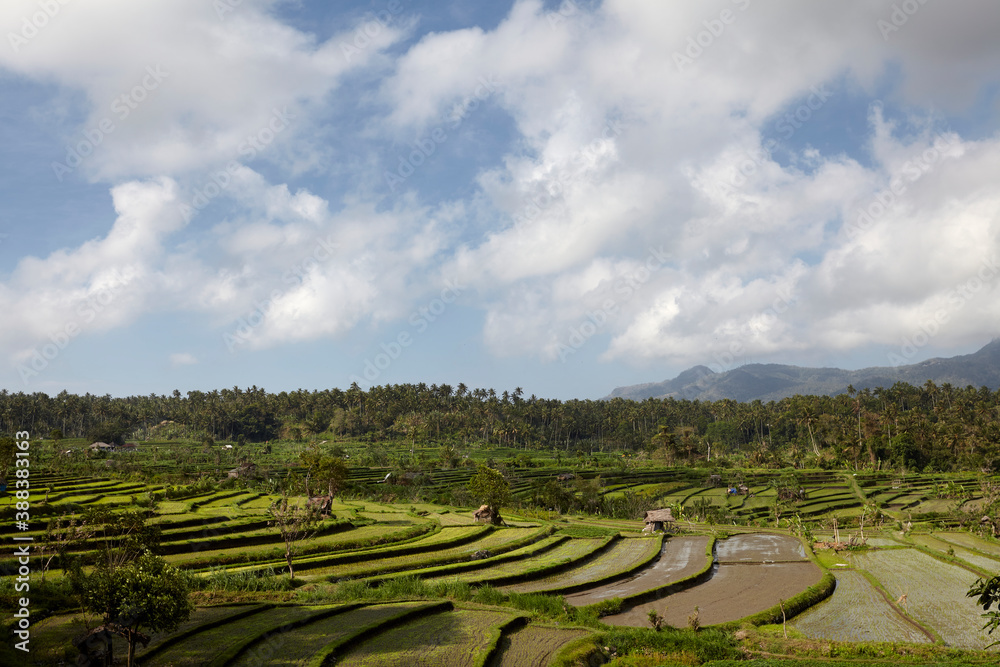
(759, 547)
(753, 573)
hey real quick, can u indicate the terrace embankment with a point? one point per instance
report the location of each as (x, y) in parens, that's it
(680, 557)
(754, 573)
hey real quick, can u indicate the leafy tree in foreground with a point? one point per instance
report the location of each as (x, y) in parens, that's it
(989, 595)
(490, 488)
(146, 595)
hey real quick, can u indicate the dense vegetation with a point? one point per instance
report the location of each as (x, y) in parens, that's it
(931, 427)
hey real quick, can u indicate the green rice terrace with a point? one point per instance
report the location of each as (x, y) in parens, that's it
(760, 567)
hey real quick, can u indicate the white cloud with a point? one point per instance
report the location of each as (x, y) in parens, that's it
(103, 284)
(182, 359)
(619, 150)
(172, 87)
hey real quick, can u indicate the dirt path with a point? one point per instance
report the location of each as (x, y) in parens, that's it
(679, 558)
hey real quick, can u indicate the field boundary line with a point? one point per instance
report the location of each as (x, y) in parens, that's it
(928, 631)
(187, 634)
(234, 652)
(660, 592)
(496, 635)
(544, 570)
(464, 566)
(607, 579)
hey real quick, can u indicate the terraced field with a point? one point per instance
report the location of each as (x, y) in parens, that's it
(971, 542)
(301, 647)
(555, 554)
(569, 551)
(224, 642)
(857, 612)
(748, 581)
(679, 558)
(733, 592)
(988, 565)
(534, 645)
(498, 540)
(935, 593)
(622, 557)
(462, 638)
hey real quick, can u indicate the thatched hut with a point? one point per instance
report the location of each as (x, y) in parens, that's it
(661, 520)
(489, 515)
(321, 504)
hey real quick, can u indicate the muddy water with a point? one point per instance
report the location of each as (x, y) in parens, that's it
(746, 580)
(680, 557)
(759, 548)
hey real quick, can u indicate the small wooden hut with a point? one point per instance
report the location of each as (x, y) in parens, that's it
(662, 520)
(484, 513)
(321, 504)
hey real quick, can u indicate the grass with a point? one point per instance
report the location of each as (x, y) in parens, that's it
(460, 638)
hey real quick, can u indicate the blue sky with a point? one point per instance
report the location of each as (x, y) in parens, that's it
(561, 196)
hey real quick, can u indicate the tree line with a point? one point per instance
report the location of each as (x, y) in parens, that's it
(928, 427)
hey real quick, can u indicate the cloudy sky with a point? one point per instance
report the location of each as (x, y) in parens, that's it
(565, 197)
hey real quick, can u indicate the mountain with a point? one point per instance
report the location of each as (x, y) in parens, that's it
(772, 382)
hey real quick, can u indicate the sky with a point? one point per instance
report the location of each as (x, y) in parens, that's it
(562, 196)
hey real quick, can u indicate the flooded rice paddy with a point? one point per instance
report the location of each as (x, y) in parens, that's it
(754, 572)
(857, 612)
(680, 557)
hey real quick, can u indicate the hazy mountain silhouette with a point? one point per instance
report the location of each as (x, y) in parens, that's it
(772, 382)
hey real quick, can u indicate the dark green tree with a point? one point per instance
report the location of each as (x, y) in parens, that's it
(490, 488)
(145, 595)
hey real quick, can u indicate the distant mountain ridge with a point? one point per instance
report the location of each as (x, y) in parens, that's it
(772, 382)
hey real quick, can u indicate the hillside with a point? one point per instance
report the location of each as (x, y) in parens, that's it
(769, 382)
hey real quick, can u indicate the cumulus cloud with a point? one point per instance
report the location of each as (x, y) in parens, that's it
(177, 84)
(642, 189)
